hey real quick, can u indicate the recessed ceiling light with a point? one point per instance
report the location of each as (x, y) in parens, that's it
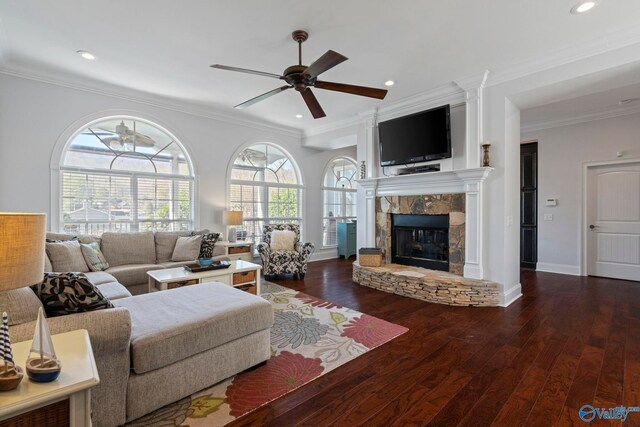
(584, 6)
(627, 101)
(87, 55)
(298, 116)
(389, 83)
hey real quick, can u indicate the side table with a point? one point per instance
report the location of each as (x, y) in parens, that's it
(65, 401)
(239, 250)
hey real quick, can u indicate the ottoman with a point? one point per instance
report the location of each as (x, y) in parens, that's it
(186, 339)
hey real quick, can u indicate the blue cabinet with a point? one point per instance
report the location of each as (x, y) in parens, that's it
(346, 239)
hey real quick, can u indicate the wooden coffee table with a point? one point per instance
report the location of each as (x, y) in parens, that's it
(241, 274)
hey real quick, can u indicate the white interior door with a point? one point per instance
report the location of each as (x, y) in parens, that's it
(613, 221)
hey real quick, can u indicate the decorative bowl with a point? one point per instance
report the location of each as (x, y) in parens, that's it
(204, 262)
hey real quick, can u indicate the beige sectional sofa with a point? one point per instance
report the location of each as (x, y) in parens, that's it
(155, 348)
(131, 255)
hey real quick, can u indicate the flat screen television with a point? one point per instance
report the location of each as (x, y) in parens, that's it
(416, 138)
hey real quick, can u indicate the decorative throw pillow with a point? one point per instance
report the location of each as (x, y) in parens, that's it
(94, 258)
(283, 240)
(187, 248)
(208, 242)
(68, 293)
(66, 256)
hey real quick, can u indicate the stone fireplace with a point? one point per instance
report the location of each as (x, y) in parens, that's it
(458, 193)
(423, 230)
(453, 202)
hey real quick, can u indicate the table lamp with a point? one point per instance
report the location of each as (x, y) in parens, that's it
(21, 264)
(230, 219)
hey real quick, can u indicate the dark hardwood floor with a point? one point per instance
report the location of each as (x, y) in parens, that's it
(569, 341)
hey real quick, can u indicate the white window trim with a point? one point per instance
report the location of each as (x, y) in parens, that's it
(65, 138)
(301, 186)
(345, 190)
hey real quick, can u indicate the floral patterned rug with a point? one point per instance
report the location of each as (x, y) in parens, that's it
(309, 338)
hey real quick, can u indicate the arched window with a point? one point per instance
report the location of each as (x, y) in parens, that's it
(266, 187)
(339, 191)
(125, 174)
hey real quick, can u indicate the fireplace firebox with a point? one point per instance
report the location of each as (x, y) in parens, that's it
(420, 240)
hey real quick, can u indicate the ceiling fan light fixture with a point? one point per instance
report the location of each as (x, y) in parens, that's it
(86, 55)
(583, 6)
(389, 83)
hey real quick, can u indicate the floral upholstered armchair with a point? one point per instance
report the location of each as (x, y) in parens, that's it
(284, 257)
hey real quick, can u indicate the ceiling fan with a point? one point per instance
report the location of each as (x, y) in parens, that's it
(302, 78)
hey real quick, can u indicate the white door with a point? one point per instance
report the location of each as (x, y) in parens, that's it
(613, 221)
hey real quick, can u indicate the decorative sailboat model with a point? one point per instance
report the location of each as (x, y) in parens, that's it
(10, 374)
(45, 367)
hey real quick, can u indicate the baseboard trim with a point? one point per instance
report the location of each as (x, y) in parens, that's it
(324, 254)
(511, 295)
(548, 267)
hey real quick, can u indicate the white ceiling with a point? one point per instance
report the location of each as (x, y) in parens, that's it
(165, 47)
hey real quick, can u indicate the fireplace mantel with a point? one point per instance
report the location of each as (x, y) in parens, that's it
(426, 183)
(467, 181)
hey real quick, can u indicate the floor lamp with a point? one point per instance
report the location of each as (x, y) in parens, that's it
(231, 219)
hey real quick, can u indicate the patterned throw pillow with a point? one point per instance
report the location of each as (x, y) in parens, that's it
(93, 256)
(208, 242)
(68, 293)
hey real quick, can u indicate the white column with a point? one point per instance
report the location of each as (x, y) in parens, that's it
(367, 151)
(474, 87)
(473, 231)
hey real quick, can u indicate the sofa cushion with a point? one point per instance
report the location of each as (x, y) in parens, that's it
(83, 238)
(128, 248)
(93, 256)
(208, 243)
(114, 290)
(100, 277)
(169, 326)
(20, 304)
(66, 256)
(132, 274)
(47, 263)
(187, 248)
(166, 242)
(68, 293)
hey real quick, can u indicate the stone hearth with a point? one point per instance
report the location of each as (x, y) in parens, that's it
(429, 285)
(432, 204)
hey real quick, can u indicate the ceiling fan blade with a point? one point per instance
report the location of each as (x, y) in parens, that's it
(327, 61)
(244, 70)
(262, 97)
(313, 104)
(371, 92)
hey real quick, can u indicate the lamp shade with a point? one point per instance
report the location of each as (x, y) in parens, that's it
(232, 217)
(21, 249)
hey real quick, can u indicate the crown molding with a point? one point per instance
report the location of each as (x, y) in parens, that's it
(582, 118)
(614, 40)
(153, 101)
(445, 94)
(472, 82)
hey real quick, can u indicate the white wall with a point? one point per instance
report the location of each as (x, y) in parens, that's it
(34, 115)
(562, 152)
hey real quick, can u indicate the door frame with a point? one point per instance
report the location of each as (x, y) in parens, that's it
(586, 166)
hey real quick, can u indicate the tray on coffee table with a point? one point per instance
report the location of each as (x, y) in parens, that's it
(217, 265)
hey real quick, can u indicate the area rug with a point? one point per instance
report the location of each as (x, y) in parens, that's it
(309, 338)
